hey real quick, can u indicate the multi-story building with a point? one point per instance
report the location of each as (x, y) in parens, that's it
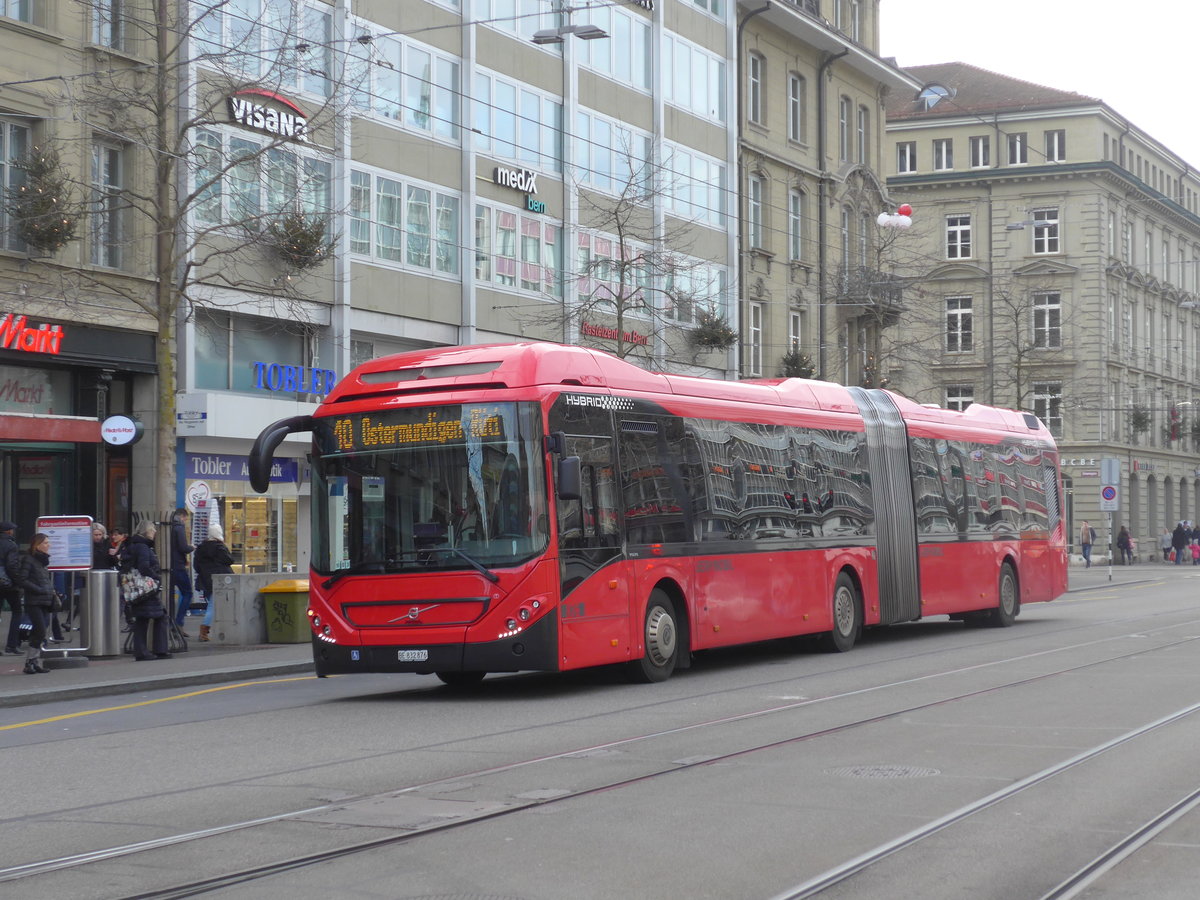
(815, 299)
(492, 171)
(75, 342)
(1054, 265)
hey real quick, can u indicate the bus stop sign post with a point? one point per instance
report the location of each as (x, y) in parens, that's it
(1110, 497)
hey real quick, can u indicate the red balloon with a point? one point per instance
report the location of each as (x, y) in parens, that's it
(904, 210)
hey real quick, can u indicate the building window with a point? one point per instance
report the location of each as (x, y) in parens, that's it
(796, 108)
(1112, 234)
(698, 188)
(795, 329)
(980, 148)
(1018, 149)
(960, 334)
(229, 346)
(107, 30)
(512, 122)
(844, 234)
(855, 20)
(1047, 320)
(754, 88)
(107, 179)
(17, 9)
(959, 396)
(693, 78)
(407, 224)
(906, 156)
(14, 144)
(523, 252)
(863, 134)
(958, 237)
(845, 111)
(795, 225)
(405, 82)
(625, 57)
(754, 210)
(1056, 146)
(287, 42)
(257, 179)
(1047, 405)
(1045, 230)
(754, 340)
(610, 156)
(943, 154)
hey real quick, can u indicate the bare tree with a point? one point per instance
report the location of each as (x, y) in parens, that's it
(641, 283)
(164, 236)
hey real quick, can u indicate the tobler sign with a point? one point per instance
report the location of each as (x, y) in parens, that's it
(290, 122)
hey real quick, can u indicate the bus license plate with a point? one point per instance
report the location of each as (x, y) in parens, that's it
(412, 655)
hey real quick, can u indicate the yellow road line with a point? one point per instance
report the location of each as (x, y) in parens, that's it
(108, 709)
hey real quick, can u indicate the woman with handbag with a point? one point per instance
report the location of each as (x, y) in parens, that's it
(144, 598)
(41, 600)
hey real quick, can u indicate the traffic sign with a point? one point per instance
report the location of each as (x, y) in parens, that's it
(1110, 496)
(1110, 486)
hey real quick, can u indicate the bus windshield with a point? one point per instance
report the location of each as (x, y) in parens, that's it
(447, 487)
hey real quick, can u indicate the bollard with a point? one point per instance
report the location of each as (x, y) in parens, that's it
(101, 614)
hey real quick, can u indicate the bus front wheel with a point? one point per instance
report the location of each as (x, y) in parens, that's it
(1006, 610)
(660, 634)
(847, 617)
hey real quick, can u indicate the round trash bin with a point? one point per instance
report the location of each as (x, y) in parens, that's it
(285, 606)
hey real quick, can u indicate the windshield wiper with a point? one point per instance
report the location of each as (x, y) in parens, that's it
(472, 561)
(359, 568)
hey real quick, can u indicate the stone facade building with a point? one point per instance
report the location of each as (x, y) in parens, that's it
(1054, 266)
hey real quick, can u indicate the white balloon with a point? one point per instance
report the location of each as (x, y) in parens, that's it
(903, 221)
(882, 220)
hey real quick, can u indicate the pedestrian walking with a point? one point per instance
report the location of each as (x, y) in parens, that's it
(147, 611)
(39, 598)
(1164, 544)
(181, 577)
(211, 558)
(1179, 540)
(1125, 546)
(1087, 537)
(10, 591)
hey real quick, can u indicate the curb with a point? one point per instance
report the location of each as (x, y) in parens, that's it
(154, 682)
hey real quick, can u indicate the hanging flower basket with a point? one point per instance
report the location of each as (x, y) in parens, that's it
(712, 333)
(41, 209)
(299, 240)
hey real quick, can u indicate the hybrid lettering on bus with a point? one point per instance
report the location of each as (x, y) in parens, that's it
(545, 507)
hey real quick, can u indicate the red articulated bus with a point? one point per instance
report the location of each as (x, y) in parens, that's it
(546, 507)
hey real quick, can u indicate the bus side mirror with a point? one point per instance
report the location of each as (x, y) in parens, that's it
(570, 478)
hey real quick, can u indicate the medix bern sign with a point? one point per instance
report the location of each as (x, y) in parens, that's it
(16, 335)
(290, 123)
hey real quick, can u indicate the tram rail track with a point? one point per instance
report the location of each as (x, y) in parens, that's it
(253, 873)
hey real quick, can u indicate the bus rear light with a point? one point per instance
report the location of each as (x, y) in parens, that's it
(524, 613)
(316, 620)
(511, 624)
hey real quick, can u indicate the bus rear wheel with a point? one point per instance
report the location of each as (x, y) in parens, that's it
(461, 679)
(847, 617)
(660, 634)
(1005, 613)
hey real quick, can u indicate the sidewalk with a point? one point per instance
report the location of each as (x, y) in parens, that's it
(210, 663)
(202, 663)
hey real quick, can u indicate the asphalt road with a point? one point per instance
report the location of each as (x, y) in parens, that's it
(932, 761)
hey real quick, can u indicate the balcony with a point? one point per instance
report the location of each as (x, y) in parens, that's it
(876, 293)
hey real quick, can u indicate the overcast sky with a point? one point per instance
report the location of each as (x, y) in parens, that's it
(1137, 57)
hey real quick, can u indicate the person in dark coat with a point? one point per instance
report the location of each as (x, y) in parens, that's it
(138, 555)
(104, 555)
(1179, 540)
(181, 579)
(10, 592)
(211, 558)
(38, 589)
(1125, 546)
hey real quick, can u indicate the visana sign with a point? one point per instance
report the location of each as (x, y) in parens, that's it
(16, 335)
(517, 179)
(281, 123)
